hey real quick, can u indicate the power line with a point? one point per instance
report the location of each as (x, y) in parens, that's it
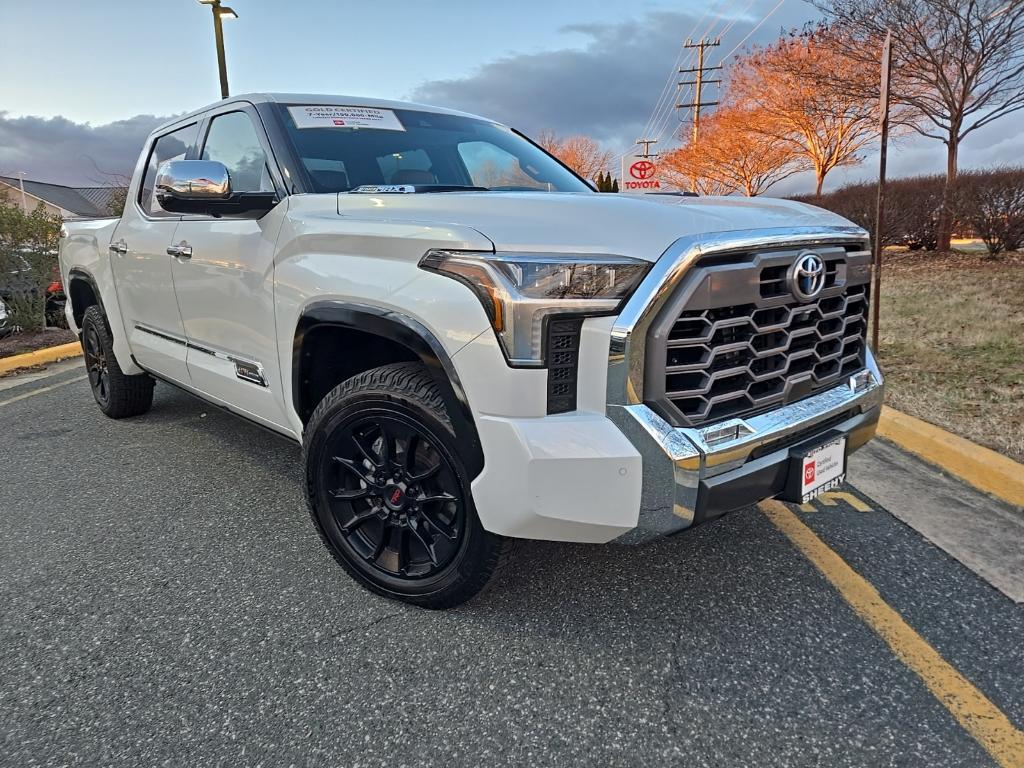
(666, 91)
(682, 95)
(658, 121)
(755, 28)
(699, 82)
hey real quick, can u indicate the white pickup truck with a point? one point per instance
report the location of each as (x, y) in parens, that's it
(469, 342)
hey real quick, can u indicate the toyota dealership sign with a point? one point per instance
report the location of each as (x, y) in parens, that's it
(640, 174)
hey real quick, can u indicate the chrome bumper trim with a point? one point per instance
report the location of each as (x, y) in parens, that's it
(677, 459)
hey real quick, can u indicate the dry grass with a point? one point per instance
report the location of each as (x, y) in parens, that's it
(952, 344)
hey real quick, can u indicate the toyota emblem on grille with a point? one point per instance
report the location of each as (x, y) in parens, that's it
(807, 277)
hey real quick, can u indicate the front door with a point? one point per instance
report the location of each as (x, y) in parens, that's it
(142, 267)
(224, 279)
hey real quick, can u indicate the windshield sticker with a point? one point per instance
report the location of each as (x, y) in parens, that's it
(376, 189)
(328, 116)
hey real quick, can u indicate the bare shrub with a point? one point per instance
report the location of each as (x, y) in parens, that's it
(991, 204)
(911, 211)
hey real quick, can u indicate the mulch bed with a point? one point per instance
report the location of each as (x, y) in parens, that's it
(29, 341)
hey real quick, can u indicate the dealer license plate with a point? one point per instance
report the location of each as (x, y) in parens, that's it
(823, 468)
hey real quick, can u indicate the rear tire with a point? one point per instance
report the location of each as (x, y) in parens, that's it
(389, 494)
(117, 394)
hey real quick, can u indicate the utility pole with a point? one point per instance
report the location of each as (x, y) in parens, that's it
(700, 81)
(646, 154)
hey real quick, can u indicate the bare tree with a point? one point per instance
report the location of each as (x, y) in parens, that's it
(958, 64)
(793, 84)
(581, 153)
(732, 156)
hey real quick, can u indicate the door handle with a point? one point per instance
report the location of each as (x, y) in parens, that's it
(120, 247)
(180, 251)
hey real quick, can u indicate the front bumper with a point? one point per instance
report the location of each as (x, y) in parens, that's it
(693, 474)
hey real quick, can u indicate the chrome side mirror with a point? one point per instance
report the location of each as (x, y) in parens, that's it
(191, 180)
(204, 187)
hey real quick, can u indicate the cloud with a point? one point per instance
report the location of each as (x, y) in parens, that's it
(59, 150)
(607, 88)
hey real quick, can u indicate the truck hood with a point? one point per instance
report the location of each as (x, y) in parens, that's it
(641, 226)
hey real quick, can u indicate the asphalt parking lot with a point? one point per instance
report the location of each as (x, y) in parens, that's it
(164, 600)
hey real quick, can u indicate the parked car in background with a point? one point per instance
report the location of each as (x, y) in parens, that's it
(5, 320)
(469, 342)
(20, 280)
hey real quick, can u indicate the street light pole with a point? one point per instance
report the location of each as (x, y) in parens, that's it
(21, 182)
(219, 12)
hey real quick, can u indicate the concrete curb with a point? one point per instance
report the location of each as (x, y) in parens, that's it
(39, 357)
(986, 470)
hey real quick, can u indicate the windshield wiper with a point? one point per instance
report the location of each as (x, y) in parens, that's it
(412, 189)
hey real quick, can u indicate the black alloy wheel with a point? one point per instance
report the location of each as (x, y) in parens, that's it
(96, 365)
(393, 495)
(389, 493)
(118, 394)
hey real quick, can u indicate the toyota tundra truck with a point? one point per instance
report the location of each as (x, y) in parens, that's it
(471, 344)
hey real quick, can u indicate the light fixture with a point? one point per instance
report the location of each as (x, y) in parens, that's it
(220, 12)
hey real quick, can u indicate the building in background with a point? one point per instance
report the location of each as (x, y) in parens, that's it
(66, 202)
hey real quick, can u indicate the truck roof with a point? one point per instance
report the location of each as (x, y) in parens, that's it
(316, 98)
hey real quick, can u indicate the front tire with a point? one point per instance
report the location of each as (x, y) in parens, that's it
(390, 495)
(117, 394)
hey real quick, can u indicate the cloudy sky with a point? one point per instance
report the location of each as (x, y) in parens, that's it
(85, 81)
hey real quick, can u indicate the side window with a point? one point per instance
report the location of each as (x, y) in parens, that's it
(170, 146)
(232, 140)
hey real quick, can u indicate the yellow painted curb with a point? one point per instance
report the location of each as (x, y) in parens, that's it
(984, 469)
(40, 356)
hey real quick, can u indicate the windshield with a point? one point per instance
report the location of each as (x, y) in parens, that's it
(343, 148)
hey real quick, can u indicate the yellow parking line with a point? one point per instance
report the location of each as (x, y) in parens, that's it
(979, 716)
(829, 498)
(40, 391)
(850, 499)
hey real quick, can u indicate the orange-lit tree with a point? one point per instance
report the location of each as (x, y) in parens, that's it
(732, 155)
(581, 153)
(800, 85)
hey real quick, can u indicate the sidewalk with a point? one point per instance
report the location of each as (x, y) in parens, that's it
(983, 533)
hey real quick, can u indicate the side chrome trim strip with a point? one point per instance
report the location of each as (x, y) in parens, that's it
(245, 369)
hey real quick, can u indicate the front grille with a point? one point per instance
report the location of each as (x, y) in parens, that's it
(768, 348)
(772, 280)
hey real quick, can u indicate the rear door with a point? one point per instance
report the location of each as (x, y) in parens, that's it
(225, 278)
(142, 268)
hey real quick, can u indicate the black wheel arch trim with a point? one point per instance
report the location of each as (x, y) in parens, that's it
(409, 333)
(80, 273)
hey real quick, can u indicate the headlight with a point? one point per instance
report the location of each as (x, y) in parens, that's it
(520, 290)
